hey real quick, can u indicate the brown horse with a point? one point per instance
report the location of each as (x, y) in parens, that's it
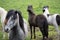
(37, 21)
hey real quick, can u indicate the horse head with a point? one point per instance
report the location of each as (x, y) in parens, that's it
(30, 10)
(45, 8)
(11, 20)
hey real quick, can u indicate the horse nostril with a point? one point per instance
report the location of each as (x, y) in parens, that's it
(6, 30)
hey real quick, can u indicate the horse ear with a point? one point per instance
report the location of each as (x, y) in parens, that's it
(29, 6)
(47, 6)
(16, 11)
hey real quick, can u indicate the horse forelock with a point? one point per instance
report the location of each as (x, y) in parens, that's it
(8, 16)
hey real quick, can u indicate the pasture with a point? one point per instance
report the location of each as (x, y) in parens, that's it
(54, 7)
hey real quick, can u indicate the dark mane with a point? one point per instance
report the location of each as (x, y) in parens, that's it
(21, 22)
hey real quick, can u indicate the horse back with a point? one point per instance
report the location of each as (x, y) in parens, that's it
(40, 19)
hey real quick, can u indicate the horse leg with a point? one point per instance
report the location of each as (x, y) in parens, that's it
(44, 33)
(41, 29)
(8, 35)
(40, 25)
(45, 27)
(34, 33)
(57, 29)
(31, 31)
(3, 32)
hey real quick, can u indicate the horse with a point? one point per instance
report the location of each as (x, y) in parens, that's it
(15, 25)
(37, 21)
(3, 13)
(52, 19)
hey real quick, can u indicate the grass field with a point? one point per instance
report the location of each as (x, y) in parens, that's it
(54, 7)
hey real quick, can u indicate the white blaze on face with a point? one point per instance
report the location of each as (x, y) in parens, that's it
(10, 24)
(46, 11)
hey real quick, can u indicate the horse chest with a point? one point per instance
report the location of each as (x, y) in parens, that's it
(32, 21)
(16, 34)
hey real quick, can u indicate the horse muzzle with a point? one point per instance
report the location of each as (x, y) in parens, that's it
(7, 29)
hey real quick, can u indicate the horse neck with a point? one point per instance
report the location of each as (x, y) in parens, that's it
(3, 15)
(31, 13)
(18, 26)
(2, 11)
(17, 31)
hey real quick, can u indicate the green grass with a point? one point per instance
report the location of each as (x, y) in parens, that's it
(54, 7)
(21, 5)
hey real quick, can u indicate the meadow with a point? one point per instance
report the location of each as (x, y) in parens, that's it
(54, 7)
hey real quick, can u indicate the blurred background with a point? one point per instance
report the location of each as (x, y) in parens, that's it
(21, 5)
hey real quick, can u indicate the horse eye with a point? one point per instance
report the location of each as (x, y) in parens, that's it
(14, 17)
(43, 10)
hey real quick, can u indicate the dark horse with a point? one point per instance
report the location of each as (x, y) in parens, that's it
(37, 21)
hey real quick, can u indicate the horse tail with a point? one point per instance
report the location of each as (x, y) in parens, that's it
(58, 19)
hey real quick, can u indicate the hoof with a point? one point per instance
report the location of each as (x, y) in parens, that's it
(45, 38)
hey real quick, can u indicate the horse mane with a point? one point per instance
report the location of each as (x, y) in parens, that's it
(21, 22)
